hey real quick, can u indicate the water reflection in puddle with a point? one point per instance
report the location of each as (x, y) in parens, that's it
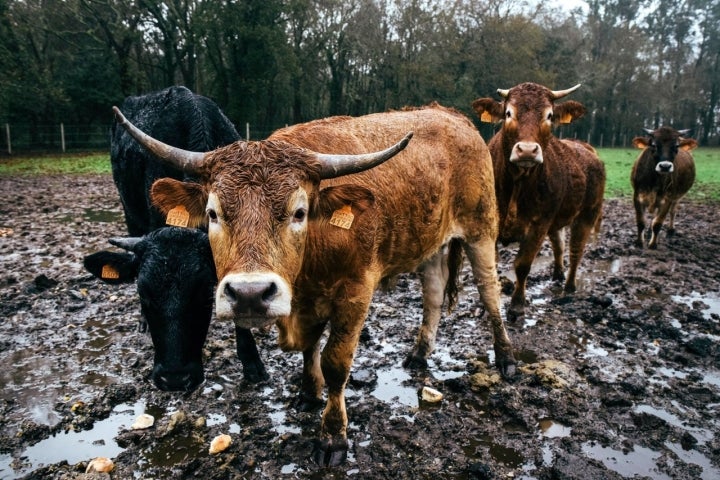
(551, 429)
(639, 461)
(710, 301)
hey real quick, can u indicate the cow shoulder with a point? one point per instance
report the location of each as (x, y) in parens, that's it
(168, 193)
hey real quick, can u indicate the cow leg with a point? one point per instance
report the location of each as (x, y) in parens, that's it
(557, 241)
(639, 220)
(299, 333)
(657, 222)
(434, 276)
(529, 248)
(247, 352)
(579, 234)
(482, 260)
(671, 224)
(337, 356)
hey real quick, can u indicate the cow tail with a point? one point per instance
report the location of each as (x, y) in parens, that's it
(597, 226)
(454, 262)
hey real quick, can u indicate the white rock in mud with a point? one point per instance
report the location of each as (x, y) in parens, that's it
(220, 443)
(143, 421)
(101, 465)
(431, 395)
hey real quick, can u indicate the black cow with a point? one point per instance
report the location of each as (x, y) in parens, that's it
(176, 280)
(662, 174)
(179, 118)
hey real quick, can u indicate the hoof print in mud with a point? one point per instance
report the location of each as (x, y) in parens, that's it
(329, 453)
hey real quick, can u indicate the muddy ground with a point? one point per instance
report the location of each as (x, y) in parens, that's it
(620, 380)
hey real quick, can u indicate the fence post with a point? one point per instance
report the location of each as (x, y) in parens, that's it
(247, 131)
(7, 134)
(62, 136)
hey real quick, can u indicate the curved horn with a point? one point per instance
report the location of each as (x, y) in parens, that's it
(555, 94)
(187, 161)
(685, 133)
(126, 243)
(503, 92)
(333, 166)
(649, 131)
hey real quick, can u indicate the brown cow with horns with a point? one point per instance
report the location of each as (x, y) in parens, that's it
(543, 184)
(292, 250)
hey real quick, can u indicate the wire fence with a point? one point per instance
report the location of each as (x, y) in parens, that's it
(19, 139)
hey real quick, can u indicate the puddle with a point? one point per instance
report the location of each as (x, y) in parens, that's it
(95, 216)
(586, 347)
(390, 388)
(74, 447)
(640, 461)
(549, 428)
(711, 301)
(477, 448)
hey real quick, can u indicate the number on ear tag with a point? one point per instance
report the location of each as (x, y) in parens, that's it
(178, 217)
(109, 272)
(342, 217)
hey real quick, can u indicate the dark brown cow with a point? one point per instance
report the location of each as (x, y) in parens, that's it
(543, 184)
(662, 174)
(305, 255)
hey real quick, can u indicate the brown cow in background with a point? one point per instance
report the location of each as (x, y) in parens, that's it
(543, 184)
(662, 174)
(304, 254)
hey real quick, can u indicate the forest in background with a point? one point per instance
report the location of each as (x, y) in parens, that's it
(271, 63)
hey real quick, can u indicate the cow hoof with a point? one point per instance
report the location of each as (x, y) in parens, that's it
(307, 403)
(515, 313)
(506, 364)
(415, 362)
(670, 232)
(652, 246)
(255, 373)
(329, 453)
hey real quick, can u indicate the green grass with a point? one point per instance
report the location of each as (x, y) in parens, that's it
(76, 163)
(619, 162)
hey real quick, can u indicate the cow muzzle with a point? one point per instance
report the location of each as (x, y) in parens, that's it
(252, 300)
(664, 167)
(526, 154)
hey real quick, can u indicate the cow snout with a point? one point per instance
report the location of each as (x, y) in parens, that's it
(252, 299)
(185, 379)
(526, 154)
(664, 167)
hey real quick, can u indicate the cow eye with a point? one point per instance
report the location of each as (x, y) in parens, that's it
(212, 215)
(299, 215)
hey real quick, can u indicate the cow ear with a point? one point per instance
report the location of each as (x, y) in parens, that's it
(566, 112)
(168, 194)
(112, 267)
(688, 144)
(489, 110)
(641, 142)
(336, 197)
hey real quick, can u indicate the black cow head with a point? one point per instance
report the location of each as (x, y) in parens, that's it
(175, 280)
(663, 145)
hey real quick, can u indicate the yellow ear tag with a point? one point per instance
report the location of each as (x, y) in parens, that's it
(486, 117)
(178, 217)
(108, 271)
(567, 118)
(342, 217)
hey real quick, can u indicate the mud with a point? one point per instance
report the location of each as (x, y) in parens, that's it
(620, 380)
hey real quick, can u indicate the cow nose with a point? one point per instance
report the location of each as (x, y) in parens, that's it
(250, 297)
(664, 167)
(526, 154)
(184, 379)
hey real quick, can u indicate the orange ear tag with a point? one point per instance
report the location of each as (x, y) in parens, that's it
(567, 118)
(178, 217)
(486, 117)
(108, 271)
(342, 217)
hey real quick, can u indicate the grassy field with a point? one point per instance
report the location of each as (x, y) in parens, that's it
(618, 162)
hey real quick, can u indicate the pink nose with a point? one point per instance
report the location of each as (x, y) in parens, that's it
(526, 151)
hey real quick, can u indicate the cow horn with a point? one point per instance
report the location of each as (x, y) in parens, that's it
(126, 243)
(555, 94)
(684, 133)
(333, 166)
(649, 131)
(185, 160)
(503, 92)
